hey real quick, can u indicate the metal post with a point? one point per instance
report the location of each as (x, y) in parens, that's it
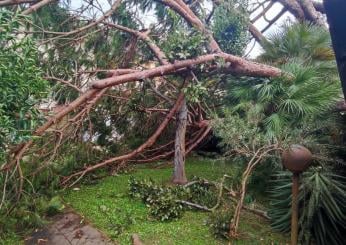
(294, 218)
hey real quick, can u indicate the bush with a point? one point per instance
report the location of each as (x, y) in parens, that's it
(55, 206)
(27, 214)
(163, 202)
(202, 193)
(219, 223)
(118, 220)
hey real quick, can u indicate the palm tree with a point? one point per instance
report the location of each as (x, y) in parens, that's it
(293, 108)
(309, 89)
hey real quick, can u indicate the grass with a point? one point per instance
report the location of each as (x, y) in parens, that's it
(11, 239)
(107, 204)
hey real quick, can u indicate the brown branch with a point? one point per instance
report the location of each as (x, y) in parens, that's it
(293, 7)
(113, 8)
(272, 21)
(160, 55)
(140, 149)
(194, 205)
(256, 158)
(5, 3)
(64, 82)
(238, 66)
(198, 140)
(263, 12)
(259, 37)
(311, 13)
(89, 95)
(36, 6)
(184, 11)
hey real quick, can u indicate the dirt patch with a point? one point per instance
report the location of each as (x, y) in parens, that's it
(68, 229)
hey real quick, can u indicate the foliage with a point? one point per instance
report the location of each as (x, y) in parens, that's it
(181, 44)
(291, 102)
(118, 225)
(321, 206)
(304, 41)
(55, 206)
(28, 214)
(195, 92)
(287, 109)
(230, 25)
(219, 223)
(238, 132)
(22, 86)
(202, 192)
(191, 228)
(162, 201)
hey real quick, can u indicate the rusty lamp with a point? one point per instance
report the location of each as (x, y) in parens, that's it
(297, 159)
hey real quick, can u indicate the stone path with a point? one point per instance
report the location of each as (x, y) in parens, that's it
(68, 229)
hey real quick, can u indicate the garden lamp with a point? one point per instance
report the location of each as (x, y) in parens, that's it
(297, 159)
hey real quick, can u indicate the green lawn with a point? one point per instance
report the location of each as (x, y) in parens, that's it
(111, 194)
(11, 239)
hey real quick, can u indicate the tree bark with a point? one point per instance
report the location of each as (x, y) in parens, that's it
(335, 10)
(179, 176)
(237, 66)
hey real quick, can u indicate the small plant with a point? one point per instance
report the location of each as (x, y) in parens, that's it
(162, 202)
(219, 223)
(165, 202)
(55, 206)
(118, 220)
(202, 193)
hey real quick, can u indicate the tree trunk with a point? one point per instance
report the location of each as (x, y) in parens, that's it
(335, 10)
(179, 176)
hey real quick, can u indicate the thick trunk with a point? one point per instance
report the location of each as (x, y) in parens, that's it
(179, 176)
(335, 10)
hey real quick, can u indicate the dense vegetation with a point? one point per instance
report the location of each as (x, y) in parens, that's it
(87, 96)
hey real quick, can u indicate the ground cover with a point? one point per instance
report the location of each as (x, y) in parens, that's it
(107, 205)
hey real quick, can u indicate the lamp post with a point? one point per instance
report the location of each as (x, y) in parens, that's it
(297, 159)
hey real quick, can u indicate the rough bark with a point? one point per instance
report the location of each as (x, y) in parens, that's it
(311, 13)
(237, 66)
(293, 7)
(335, 10)
(179, 176)
(259, 37)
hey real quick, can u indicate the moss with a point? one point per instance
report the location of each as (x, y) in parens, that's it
(111, 192)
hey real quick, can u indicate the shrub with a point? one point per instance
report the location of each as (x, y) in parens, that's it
(322, 206)
(163, 202)
(219, 223)
(55, 206)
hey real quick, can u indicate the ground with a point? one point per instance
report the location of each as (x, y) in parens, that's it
(110, 195)
(106, 205)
